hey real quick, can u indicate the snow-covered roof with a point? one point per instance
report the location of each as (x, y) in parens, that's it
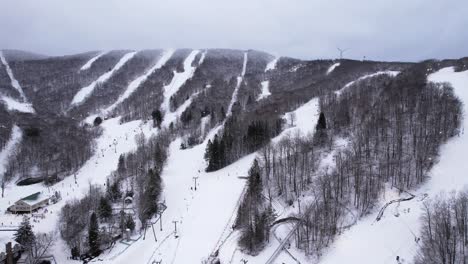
(34, 198)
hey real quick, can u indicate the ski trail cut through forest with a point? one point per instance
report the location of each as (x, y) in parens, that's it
(238, 84)
(14, 82)
(178, 80)
(89, 63)
(7, 151)
(390, 73)
(133, 86)
(85, 92)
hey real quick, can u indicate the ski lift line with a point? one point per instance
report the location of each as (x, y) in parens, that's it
(175, 251)
(159, 245)
(221, 241)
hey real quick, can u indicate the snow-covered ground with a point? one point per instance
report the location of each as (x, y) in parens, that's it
(390, 73)
(272, 64)
(13, 80)
(240, 78)
(332, 68)
(115, 140)
(302, 120)
(84, 92)
(133, 86)
(178, 80)
(5, 153)
(89, 63)
(266, 84)
(202, 214)
(265, 90)
(370, 242)
(15, 105)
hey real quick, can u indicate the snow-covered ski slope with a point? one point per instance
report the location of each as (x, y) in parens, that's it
(266, 84)
(177, 81)
(333, 67)
(115, 140)
(14, 82)
(390, 73)
(371, 242)
(86, 91)
(133, 86)
(89, 63)
(6, 152)
(240, 78)
(15, 105)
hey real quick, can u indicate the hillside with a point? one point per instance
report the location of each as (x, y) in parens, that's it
(225, 153)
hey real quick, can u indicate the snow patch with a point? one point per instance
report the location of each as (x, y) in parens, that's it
(85, 92)
(332, 68)
(14, 105)
(236, 90)
(14, 82)
(178, 80)
(265, 90)
(133, 86)
(7, 151)
(272, 64)
(390, 73)
(302, 120)
(89, 63)
(202, 58)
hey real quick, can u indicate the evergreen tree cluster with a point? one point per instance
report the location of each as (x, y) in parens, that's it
(234, 143)
(25, 235)
(254, 216)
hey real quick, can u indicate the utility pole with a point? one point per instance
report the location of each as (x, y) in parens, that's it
(299, 203)
(195, 179)
(175, 227)
(160, 221)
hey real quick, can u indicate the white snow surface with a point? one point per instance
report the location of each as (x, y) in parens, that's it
(305, 118)
(202, 214)
(178, 80)
(15, 105)
(238, 84)
(85, 92)
(272, 64)
(391, 73)
(332, 68)
(265, 90)
(7, 151)
(202, 58)
(116, 139)
(89, 63)
(370, 242)
(133, 86)
(172, 116)
(13, 80)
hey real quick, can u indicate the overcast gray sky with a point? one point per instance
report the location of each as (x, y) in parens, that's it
(378, 29)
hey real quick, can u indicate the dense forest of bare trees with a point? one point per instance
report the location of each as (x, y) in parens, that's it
(51, 151)
(392, 129)
(444, 234)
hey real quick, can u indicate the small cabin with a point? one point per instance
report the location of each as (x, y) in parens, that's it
(30, 203)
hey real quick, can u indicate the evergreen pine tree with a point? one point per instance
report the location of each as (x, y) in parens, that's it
(25, 235)
(157, 118)
(93, 236)
(105, 208)
(322, 122)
